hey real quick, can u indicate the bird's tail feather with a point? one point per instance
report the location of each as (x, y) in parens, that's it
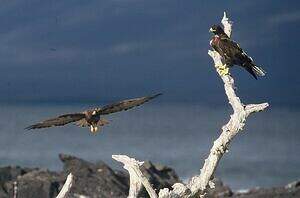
(258, 70)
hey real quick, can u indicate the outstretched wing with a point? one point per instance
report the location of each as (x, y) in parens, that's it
(58, 121)
(125, 105)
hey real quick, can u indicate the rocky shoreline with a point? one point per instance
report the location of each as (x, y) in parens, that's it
(94, 180)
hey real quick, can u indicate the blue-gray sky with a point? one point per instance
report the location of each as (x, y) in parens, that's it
(100, 50)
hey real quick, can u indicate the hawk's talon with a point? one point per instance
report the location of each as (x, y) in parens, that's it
(222, 70)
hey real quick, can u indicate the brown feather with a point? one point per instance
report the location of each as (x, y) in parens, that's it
(125, 105)
(58, 121)
(82, 123)
(102, 122)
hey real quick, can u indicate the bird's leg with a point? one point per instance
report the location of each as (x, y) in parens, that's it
(222, 69)
(93, 129)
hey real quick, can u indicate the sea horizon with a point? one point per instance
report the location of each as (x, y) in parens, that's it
(178, 135)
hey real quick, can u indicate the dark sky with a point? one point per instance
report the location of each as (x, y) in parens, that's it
(86, 51)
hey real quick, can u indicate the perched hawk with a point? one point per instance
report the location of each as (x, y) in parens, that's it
(232, 53)
(91, 118)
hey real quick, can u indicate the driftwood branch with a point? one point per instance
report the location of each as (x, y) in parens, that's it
(200, 183)
(229, 131)
(15, 189)
(236, 123)
(227, 25)
(137, 179)
(66, 187)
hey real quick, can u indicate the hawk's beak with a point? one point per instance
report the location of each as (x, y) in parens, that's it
(94, 112)
(211, 30)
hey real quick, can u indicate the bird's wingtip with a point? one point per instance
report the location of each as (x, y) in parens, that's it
(156, 95)
(28, 128)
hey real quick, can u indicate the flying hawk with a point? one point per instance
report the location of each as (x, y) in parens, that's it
(91, 118)
(232, 53)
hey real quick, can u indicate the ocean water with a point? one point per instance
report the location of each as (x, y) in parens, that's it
(179, 135)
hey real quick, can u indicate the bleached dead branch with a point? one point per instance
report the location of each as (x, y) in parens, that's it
(15, 189)
(66, 187)
(199, 184)
(137, 179)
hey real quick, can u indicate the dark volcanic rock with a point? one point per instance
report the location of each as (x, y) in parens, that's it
(37, 183)
(94, 180)
(3, 194)
(220, 190)
(99, 180)
(159, 176)
(9, 173)
(90, 179)
(290, 191)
